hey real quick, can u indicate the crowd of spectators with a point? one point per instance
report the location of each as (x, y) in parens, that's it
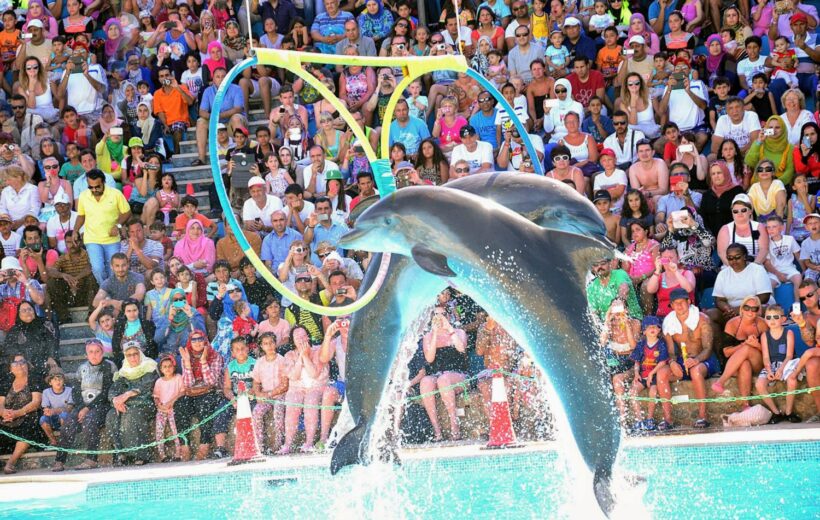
(692, 126)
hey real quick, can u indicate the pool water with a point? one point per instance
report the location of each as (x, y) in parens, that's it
(720, 481)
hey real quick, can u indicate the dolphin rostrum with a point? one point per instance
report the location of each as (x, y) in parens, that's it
(529, 278)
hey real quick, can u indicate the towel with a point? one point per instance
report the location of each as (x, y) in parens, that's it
(671, 324)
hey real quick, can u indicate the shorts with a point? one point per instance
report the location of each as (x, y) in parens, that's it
(618, 363)
(702, 128)
(274, 88)
(54, 420)
(179, 126)
(712, 367)
(789, 272)
(340, 387)
(652, 381)
(787, 371)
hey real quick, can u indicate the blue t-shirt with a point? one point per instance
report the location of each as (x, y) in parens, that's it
(411, 135)
(327, 26)
(655, 12)
(275, 248)
(233, 98)
(500, 9)
(485, 126)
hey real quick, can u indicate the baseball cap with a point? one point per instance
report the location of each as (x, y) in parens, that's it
(255, 181)
(466, 130)
(128, 345)
(601, 195)
(799, 17)
(38, 23)
(570, 21)
(608, 151)
(61, 198)
(404, 165)
(743, 199)
(221, 126)
(648, 321)
(637, 39)
(230, 287)
(241, 129)
(334, 256)
(678, 294)
(332, 175)
(135, 141)
(5, 217)
(810, 215)
(10, 263)
(145, 14)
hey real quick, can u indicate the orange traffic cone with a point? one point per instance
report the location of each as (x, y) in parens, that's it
(189, 189)
(245, 448)
(501, 429)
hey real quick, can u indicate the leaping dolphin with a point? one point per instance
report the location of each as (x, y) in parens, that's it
(530, 279)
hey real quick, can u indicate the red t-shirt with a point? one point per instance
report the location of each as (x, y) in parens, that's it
(583, 92)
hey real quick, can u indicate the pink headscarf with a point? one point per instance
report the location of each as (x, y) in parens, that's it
(112, 46)
(211, 63)
(729, 180)
(651, 38)
(49, 22)
(190, 250)
(713, 62)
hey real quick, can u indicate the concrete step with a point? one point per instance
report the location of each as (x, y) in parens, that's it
(74, 347)
(70, 364)
(75, 331)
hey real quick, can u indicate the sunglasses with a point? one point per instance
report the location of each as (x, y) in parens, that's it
(51, 167)
(235, 290)
(741, 210)
(806, 297)
(302, 280)
(619, 123)
(522, 35)
(560, 91)
(436, 41)
(633, 83)
(520, 8)
(751, 308)
(197, 339)
(485, 100)
(768, 169)
(561, 158)
(401, 25)
(438, 314)
(773, 317)
(32, 67)
(322, 255)
(462, 170)
(734, 258)
(179, 299)
(19, 362)
(18, 107)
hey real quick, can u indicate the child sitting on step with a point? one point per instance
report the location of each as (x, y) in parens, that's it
(777, 345)
(646, 356)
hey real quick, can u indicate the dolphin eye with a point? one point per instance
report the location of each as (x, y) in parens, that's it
(388, 221)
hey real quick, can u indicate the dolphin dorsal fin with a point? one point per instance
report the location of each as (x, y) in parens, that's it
(430, 261)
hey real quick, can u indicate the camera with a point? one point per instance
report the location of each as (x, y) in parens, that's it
(166, 82)
(341, 292)
(768, 132)
(617, 308)
(628, 52)
(26, 36)
(403, 179)
(179, 304)
(680, 219)
(385, 77)
(441, 46)
(282, 110)
(400, 46)
(78, 64)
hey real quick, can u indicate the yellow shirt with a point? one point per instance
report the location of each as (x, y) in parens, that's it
(101, 215)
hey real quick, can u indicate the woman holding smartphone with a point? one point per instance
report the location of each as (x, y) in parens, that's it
(445, 349)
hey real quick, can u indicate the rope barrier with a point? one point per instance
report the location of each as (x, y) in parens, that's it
(464, 385)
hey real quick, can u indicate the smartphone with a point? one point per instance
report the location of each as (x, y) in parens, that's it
(340, 292)
(78, 64)
(796, 307)
(807, 142)
(170, 25)
(686, 148)
(300, 269)
(241, 173)
(768, 132)
(550, 103)
(26, 36)
(679, 77)
(282, 110)
(679, 219)
(323, 217)
(617, 308)
(116, 131)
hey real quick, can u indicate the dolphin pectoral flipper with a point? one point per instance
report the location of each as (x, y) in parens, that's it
(350, 448)
(430, 261)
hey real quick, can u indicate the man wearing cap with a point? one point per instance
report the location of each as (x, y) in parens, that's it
(314, 173)
(678, 198)
(232, 112)
(610, 284)
(257, 211)
(71, 283)
(9, 239)
(478, 154)
(799, 28)
(408, 130)
(322, 227)
(171, 106)
(686, 325)
(576, 43)
(603, 203)
(525, 52)
(15, 284)
(84, 87)
(611, 179)
(639, 62)
(102, 232)
(690, 103)
(38, 45)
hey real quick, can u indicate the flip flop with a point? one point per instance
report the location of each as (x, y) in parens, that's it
(701, 423)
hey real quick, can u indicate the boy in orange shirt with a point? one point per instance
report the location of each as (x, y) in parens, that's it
(9, 41)
(610, 56)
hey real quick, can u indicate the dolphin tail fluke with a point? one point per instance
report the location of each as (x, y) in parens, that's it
(350, 448)
(602, 485)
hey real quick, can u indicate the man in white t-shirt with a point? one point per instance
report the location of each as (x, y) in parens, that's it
(737, 124)
(297, 209)
(257, 210)
(9, 240)
(314, 173)
(689, 103)
(612, 179)
(478, 154)
(453, 34)
(752, 64)
(61, 222)
(84, 85)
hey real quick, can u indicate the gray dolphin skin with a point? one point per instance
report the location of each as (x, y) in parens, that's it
(530, 279)
(376, 330)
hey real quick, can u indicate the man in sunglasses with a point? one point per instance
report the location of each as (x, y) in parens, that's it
(484, 120)
(25, 121)
(477, 154)
(524, 53)
(521, 18)
(511, 152)
(609, 284)
(807, 321)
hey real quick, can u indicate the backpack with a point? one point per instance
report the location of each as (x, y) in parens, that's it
(8, 309)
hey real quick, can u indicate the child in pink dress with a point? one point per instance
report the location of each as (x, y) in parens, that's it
(167, 390)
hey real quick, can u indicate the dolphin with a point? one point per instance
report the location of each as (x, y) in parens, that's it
(531, 280)
(376, 330)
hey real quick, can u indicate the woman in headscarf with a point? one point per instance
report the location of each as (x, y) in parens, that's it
(619, 9)
(132, 326)
(235, 45)
(639, 27)
(38, 11)
(35, 338)
(479, 62)
(131, 395)
(146, 126)
(222, 312)
(733, 19)
(554, 117)
(177, 326)
(216, 59)
(376, 21)
(716, 206)
(20, 401)
(716, 61)
(775, 148)
(115, 42)
(108, 120)
(127, 107)
(111, 151)
(195, 249)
